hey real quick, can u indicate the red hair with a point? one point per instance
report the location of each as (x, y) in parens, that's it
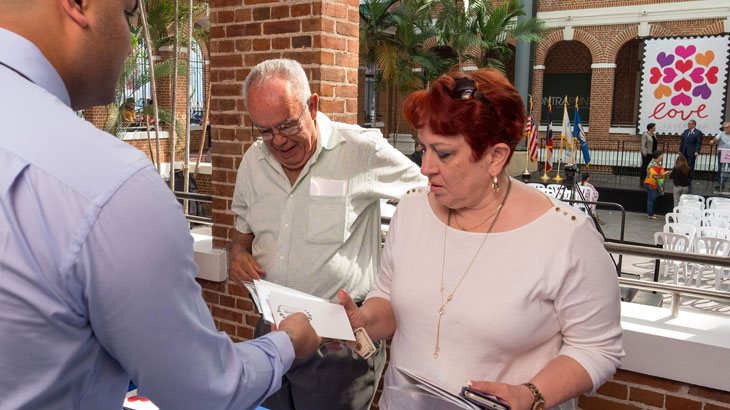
(473, 119)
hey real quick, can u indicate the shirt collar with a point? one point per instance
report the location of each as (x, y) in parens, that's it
(327, 136)
(25, 57)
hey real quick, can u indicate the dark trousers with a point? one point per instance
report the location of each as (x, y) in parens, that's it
(719, 167)
(644, 163)
(691, 162)
(328, 380)
(652, 195)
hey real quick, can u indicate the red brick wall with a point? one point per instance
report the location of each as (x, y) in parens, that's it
(555, 5)
(634, 391)
(568, 57)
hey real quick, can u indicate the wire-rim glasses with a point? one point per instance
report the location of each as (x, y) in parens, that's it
(287, 129)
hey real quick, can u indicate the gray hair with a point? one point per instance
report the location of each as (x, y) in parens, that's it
(284, 68)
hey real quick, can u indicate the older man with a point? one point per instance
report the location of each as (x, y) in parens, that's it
(308, 217)
(97, 274)
(722, 140)
(690, 145)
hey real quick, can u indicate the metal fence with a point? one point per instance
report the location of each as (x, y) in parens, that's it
(621, 157)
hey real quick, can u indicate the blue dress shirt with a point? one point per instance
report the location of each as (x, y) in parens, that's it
(97, 271)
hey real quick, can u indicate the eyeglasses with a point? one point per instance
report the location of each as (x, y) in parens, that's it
(287, 129)
(465, 89)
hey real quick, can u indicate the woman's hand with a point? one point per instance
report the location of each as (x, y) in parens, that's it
(357, 318)
(519, 397)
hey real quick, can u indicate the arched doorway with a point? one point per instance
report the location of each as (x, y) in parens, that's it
(567, 73)
(626, 85)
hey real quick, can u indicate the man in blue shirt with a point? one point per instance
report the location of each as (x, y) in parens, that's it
(96, 262)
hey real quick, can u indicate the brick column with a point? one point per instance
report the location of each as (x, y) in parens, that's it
(323, 37)
(96, 115)
(164, 97)
(602, 79)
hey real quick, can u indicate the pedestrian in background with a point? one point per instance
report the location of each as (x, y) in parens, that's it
(680, 176)
(648, 145)
(690, 145)
(654, 182)
(722, 140)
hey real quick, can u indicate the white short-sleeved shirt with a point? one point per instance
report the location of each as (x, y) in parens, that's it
(542, 290)
(323, 233)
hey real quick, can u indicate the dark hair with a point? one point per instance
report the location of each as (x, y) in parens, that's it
(584, 176)
(650, 126)
(656, 154)
(693, 122)
(478, 121)
(681, 165)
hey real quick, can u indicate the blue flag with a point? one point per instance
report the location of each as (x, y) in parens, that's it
(580, 136)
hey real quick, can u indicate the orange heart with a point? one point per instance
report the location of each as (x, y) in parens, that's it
(662, 91)
(705, 59)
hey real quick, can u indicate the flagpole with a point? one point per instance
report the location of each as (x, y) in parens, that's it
(575, 142)
(526, 173)
(545, 177)
(557, 177)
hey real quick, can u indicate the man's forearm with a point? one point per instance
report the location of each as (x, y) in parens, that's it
(241, 242)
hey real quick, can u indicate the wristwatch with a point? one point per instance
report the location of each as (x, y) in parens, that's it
(538, 402)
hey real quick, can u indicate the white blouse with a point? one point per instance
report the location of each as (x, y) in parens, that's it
(545, 289)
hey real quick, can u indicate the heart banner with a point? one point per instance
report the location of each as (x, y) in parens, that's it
(682, 80)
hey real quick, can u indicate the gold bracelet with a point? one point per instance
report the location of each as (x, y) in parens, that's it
(538, 402)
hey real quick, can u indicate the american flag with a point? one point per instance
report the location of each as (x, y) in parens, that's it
(531, 134)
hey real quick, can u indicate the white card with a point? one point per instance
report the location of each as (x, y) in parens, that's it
(264, 289)
(329, 320)
(327, 187)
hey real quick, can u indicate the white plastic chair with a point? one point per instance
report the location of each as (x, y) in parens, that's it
(717, 213)
(714, 221)
(722, 206)
(552, 189)
(540, 187)
(680, 218)
(691, 197)
(712, 232)
(708, 246)
(716, 200)
(691, 203)
(688, 210)
(690, 231)
(673, 242)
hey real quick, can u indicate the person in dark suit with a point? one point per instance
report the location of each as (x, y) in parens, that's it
(690, 145)
(417, 154)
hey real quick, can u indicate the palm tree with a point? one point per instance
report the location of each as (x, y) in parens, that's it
(497, 25)
(456, 22)
(377, 44)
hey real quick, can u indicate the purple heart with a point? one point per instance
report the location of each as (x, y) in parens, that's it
(696, 75)
(702, 91)
(664, 60)
(685, 52)
(681, 99)
(669, 75)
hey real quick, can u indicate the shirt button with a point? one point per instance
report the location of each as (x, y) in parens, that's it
(281, 257)
(286, 225)
(291, 196)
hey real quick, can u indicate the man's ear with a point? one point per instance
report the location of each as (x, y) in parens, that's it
(313, 105)
(76, 11)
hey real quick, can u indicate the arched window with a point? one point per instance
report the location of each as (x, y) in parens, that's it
(197, 97)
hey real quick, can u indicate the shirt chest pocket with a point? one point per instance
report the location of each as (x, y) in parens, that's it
(327, 219)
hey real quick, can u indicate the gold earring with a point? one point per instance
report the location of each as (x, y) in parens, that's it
(495, 184)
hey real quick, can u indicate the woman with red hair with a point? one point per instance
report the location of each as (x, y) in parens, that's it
(483, 278)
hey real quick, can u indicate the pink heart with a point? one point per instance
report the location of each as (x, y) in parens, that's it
(682, 84)
(685, 52)
(684, 66)
(702, 91)
(655, 75)
(712, 75)
(696, 75)
(669, 75)
(681, 99)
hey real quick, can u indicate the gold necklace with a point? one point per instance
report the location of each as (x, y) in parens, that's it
(442, 309)
(456, 219)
